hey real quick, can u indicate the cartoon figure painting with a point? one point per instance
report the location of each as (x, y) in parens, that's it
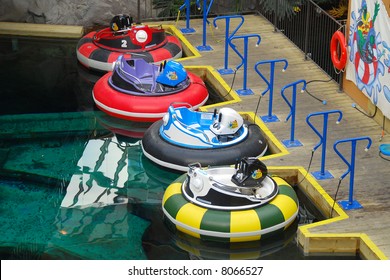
(386, 61)
(369, 52)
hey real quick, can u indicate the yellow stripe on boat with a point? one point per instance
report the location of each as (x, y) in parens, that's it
(279, 181)
(190, 215)
(286, 205)
(173, 189)
(244, 221)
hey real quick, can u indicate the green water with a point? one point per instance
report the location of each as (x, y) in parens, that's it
(93, 195)
(77, 197)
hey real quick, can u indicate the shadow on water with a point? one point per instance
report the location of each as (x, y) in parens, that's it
(74, 183)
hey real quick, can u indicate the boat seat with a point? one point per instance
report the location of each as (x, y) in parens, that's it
(146, 76)
(208, 134)
(143, 70)
(211, 136)
(193, 126)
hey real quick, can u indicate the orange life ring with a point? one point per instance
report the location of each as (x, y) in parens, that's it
(338, 61)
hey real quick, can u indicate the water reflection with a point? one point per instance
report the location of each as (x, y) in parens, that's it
(109, 208)
(123, 129)
(177, 245)
(95, 219)
(111, 172)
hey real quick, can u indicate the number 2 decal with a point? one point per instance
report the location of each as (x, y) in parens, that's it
(124, 44)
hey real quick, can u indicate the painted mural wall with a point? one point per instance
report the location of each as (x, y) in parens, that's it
(368, 63)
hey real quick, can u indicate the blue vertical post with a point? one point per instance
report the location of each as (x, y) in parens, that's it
(270, 85)
(226, 70)
(323, 174)
(187, 5)
(244, 59)
(351, 203)
(206, 10)
(292, 142)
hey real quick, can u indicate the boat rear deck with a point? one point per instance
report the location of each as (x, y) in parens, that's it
(366, 230)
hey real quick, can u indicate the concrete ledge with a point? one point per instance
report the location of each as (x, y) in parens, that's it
(275, 147)
(328, 243)
(188, 49)
(41, 30)
(339, 244)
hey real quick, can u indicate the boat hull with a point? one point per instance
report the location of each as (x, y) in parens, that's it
(231, 226)
(144, 108)
(97, 58)
(178, 158)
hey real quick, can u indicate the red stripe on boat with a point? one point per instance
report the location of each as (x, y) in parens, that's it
(173, 39)
(90, 35)
(87, 49)
(113, 56)
(160, 54)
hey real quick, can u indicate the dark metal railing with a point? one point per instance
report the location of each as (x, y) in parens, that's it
(146, 10)
(305, 24)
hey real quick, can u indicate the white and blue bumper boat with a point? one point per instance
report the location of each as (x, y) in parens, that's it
(185, 136)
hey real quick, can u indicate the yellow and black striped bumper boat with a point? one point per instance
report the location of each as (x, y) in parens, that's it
(200, 217)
